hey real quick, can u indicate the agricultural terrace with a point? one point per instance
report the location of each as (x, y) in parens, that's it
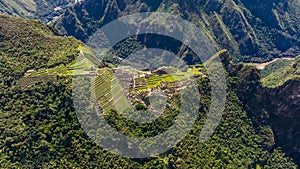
(113, 87)
(81, 66)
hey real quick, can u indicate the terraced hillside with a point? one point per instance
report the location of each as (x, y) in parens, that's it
(119, 89)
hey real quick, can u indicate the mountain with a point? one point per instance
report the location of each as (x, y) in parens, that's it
(253, 31)
(271, 97)
(40, 129)
(44, 10)
(30, 44)
(274, 99)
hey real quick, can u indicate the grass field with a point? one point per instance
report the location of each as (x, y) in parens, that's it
(155, 80)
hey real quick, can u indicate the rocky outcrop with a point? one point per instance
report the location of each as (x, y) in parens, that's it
(276, 107)
(283, 104)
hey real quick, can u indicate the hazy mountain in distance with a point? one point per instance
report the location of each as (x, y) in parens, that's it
(43, 10)
(257, 30)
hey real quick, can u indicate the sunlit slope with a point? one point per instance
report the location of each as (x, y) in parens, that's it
(279, 72)
(43, 10)
(27, 45)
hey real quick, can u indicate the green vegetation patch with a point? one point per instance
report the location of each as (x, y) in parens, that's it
(279, 72)
(30, 45)
(277, 66)
(40, 129)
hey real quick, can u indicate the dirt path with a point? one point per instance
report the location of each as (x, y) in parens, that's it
(262, 66)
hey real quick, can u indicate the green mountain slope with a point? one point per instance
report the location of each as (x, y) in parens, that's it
(279, 72)
(29, 45)
(271, 97)
(39, 127)
(251, 30)
(44, 10)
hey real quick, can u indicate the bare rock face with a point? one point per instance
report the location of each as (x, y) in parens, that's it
(284, 108)
(285, 100)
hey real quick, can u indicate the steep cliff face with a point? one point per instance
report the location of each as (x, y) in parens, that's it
(251, 31)
(285, 100)
(83, 19)
(278, 107)
(283, 103)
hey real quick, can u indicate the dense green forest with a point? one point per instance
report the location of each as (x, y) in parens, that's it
(29, 45)
(39, 127)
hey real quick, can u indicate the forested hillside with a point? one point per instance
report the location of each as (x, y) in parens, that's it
(273, 97)
(29, 45)
(251, 30)
(43, 10)
(39, 127)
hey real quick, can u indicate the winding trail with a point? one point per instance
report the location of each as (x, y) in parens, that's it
(262, 66)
